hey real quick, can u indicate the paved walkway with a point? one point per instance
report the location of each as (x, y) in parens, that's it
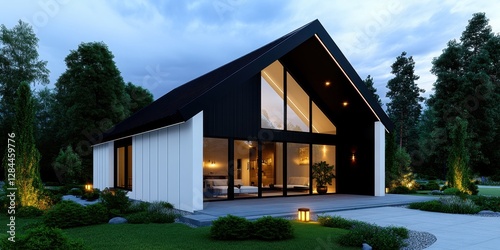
(453, 231)
(287, 206)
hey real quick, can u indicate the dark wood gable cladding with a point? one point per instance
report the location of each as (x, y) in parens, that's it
(236, 112)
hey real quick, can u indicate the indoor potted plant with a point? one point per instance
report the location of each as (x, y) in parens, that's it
(322, 172)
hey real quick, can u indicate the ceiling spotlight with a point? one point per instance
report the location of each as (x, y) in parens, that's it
(345, 104)
(327, 83)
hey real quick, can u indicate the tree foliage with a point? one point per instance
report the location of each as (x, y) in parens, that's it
(459, 174)
(138, 97)
(27, 174)
(369, 84)
(404, 108)
(68, 166)
(467, 86)
(90, 98)
(19, 63)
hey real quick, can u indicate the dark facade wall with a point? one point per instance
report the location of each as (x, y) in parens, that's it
(235, 112)
(356, 177)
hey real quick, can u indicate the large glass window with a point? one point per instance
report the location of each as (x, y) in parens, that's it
(297, 169)
(272, 95)
(324, 153)
(215, 168)
(321, 123)
(245, 169)
(297, 111)
(272, 168)
(123, 168)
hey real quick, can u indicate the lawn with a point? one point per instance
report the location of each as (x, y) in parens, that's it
(179, 236)
(492, 191)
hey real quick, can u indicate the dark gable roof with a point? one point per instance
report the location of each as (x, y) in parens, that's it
(183, 102)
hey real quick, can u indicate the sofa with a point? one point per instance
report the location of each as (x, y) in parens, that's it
(295, 183)
(219, 187)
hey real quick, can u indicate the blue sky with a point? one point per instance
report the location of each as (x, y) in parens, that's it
(162, 44)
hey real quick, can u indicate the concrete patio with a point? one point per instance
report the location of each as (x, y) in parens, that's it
(287, 206)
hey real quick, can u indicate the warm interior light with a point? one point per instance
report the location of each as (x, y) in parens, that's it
(353, 157)
(327, 83)
(345, 104)
(304, 214)
(386, 190)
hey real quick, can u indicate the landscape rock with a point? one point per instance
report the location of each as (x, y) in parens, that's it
(366, 247)
(117, 220)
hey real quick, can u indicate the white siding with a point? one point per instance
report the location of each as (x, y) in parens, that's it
(167, 165)
(379, 159)
(103, 165)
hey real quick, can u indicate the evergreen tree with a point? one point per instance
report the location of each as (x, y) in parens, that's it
(404, 108)
(369, 84)
(90, 99)
(459, 174)
(467, 87)
(27, 173)
(391, 170)
(19, 62)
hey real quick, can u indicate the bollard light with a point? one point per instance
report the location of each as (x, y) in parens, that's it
(88, 187)
(304, 214)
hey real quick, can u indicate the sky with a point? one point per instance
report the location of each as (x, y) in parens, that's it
(161, 44)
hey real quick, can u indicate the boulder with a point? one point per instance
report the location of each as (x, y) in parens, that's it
(117, 220)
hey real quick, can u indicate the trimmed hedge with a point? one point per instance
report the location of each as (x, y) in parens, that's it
(231, 227)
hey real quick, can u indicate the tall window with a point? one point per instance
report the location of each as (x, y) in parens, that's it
(278, 93)
(297, 106)
(272, 94)
(123, 161)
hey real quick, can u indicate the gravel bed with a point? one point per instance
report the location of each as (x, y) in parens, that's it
(419, 240)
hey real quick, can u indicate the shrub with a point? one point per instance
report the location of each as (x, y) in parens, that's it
(66, 214)
(402, 190)
(450, 204)
(156, 212)
(231, 228)
(115, 199)
(92, 195)
(375, 236)
(137, 206)
(456, 205)
(487, 203)
(269, 228)
(431, 185)
(399, 231)
(42, 237)
(139, 218)
(335, 221)
(97, 214)
(76, 192)
(432, 206)
(451, 191)
(29, 212)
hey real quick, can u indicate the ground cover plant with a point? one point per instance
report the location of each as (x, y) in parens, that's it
(361, 232)
(448, 204)
(232, 227)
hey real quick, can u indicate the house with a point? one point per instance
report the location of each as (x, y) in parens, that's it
(252, 128)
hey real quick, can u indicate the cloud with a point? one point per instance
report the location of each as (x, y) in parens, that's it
(162, 44)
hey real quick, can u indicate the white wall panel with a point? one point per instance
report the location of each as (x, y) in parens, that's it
(173, 159)
(167, 165)
(379, 159)
(153, 163)
(162, 165)
(103, 165)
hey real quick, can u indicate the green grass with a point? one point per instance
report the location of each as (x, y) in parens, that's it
(179, 236)
(490, 191)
